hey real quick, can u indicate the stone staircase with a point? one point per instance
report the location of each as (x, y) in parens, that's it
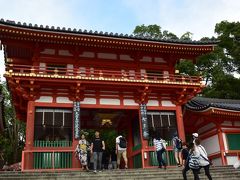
(218, 173)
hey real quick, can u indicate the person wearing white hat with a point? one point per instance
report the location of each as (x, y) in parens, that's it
(195, 136)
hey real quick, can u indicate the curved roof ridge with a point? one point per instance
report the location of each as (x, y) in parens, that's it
(202, 103)
(101, 33)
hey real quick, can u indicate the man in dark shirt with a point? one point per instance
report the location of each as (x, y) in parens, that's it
(97, 147)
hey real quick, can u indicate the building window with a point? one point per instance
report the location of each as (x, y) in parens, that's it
(163, 122)
(53, 124)
(233, 141)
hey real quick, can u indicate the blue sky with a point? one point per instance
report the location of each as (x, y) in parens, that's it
(121, 16)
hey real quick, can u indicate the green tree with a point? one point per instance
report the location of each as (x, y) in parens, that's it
(153, 31)
(169, 35)
(187, 67)
(187, 36)
(229, 39)
(13, 139)
(217, 68)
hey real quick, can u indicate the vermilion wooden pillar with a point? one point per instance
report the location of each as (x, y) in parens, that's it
(221, 145)
(130, 144)
(75, 161)
(28, 157)
(180, 124)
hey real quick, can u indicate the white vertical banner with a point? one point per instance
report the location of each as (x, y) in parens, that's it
(76, 119)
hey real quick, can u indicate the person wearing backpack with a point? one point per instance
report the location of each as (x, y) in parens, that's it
(185, 158)
(203, 158)
(121, 150)
(177, 148)
(160, 145)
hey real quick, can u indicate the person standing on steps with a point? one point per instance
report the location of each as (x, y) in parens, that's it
(121, 150)
(185, 158)
(160, 145)
(194, 136)
(81, 152)
(203, 158)
(193, 161)
(113, 159)
(177, 148)
(97, 147)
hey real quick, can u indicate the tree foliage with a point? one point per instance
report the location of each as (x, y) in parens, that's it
(13, 138)
(153, 31)
(218, 67)
(229, 40)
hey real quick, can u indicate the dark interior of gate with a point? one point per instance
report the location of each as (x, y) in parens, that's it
(56, 125)
(54, 128)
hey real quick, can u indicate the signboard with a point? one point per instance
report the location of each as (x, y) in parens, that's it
(76, 119)
(143, 114)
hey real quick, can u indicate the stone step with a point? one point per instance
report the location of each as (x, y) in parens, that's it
(172, 170)
(223, 172)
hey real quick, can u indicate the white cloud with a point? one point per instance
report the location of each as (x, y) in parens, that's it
(177, 16)
(45, 12)
(196, 16)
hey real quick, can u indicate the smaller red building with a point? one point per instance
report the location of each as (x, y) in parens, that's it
(218, 123)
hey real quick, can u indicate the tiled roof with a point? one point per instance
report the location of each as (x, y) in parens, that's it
(96, 33)
(201, 103)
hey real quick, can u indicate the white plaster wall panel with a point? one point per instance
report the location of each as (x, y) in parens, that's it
(131, 74)
(48, 51)
(64, 53)
(206, 128)
(159, 60)
(231, 160)
(153, 103)
(225, 141)
(165, 75)
(107, 56)
(217, 161)
(146, 59)
(231, 128)
(42, 67)
(48, 99)
(125, 57)
(70, 69)
(130, 102)
(143, 73)
(227, 123)
(236, 123)
(109, 101)
(168, 103)
(82, 71)
(87, 54)
(63, 100)
(89, 101)
(211, 144)
(92, 71)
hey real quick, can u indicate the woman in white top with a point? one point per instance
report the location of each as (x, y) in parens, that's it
(203, 158)
(160, 144)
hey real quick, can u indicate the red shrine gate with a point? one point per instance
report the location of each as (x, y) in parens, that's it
(48, 70)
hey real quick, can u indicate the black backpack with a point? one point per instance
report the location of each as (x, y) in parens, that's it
(178, 143)
(122, 142)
